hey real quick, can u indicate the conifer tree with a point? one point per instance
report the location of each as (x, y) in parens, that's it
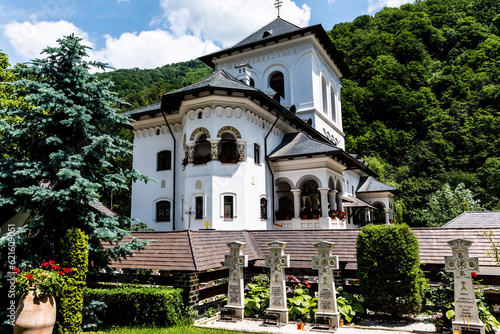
(62, 143)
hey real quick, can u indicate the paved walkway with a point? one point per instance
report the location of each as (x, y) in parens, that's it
(254, 326)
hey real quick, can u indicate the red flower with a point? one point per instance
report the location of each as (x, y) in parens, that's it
(308, 286)
(16, 270)
(29, 276)
(67, 271)
(44, 265)
(473, 275)
(61, 273)
(55, 267)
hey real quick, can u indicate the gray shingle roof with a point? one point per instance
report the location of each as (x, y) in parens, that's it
(370, 184)
(151, 107)
(219, 79)
(300, 144)
(479, 219)
(273, 29)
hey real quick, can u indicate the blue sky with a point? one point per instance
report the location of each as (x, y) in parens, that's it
(152, 33)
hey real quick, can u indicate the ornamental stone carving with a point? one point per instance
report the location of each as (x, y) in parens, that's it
(231, 129)
(197, 131)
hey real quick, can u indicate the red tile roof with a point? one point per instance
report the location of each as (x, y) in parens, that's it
(202, 250)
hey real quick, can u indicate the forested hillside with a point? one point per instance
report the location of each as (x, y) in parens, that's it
(422, 105)
(144, 87)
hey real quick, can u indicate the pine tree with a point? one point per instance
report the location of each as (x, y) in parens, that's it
(62, 144)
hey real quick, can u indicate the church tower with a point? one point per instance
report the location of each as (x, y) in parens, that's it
(300, 65)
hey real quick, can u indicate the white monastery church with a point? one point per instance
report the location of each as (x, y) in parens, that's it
(258, 144)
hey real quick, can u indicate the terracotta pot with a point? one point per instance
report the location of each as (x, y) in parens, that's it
(35, 315)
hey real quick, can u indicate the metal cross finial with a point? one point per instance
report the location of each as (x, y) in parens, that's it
(278, 4)
(190, 214)
(207, 224)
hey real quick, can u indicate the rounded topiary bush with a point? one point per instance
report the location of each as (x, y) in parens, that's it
(389, 272)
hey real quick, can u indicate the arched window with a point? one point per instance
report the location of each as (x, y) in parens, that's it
(332, 102)
(202, 150)
(164, 160)
(227, 148)
(263, 208)
(162, 211)
(277, 83)
(323, 95)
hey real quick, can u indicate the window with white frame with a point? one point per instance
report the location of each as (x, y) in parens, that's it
(263, 208)
(163, 211)
(198, 205)
(228, 206)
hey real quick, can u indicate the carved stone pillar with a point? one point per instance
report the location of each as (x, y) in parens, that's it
(190, 151)
(296, 203)
(240, 149)
(339, 201)
(333, 201)
(214, 148)
(387, 216)
(324, 201)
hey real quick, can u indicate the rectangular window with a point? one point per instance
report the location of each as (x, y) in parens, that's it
(198, 207)
(164, 160)
(228, 207)
(163, 211)
(256, 153)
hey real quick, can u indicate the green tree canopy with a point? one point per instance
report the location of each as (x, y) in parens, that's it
(65, 143)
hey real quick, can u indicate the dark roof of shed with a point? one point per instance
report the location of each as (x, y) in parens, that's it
(300, 144)
(370, 184)
(202, 250)
(281, 29)
(482, 219)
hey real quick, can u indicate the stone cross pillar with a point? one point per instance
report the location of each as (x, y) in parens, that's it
(236, 261)
(466, 316)
(326, 263)
(277, 261)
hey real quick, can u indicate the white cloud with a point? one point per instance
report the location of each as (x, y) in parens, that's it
(376, 5)
(29, 39)
(226, 21)
(150, 49)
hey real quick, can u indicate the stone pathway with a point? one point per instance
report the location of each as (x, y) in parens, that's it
(256, 326)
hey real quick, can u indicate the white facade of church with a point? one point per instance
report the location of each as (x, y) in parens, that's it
(257, 145)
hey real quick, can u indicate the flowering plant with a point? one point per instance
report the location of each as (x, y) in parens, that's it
(437, 319)
(341, 215)
(48, 279)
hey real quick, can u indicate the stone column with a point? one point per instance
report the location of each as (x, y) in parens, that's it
(236, 261)
(190, 151)
(339, 201)
(277, 261)
(324, 201)
(387, 216)
(296, 203)
(333, 201)
(327, 300)
(214, 149)
(466, 315)
(240, 149)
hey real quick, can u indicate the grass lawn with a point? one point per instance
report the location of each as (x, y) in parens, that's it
(170, 330)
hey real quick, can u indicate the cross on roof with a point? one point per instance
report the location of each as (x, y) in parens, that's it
(278, 4)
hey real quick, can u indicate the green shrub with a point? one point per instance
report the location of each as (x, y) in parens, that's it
(391, 280)
(301, 305)
(140, 306)
(257, 298)
(348, 306)
(74, 254)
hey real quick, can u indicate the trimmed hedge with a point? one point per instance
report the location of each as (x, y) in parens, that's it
(140, 306)
(391, 280)
(74, 254)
